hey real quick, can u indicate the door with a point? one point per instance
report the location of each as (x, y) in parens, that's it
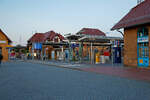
(143, 54)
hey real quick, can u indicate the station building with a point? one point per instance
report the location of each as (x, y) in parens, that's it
(4, 45)
(136, 25)
(48, 45)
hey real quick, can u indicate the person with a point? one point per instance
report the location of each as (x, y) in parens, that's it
(1, 57)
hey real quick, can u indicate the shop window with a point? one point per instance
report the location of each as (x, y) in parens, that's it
(143, 50)
(143, 47)
(142, 32)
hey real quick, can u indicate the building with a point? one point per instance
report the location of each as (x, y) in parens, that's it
(4, 45)
(20, 51)
(47, 45)
(90, 32)
(136, 25)
(89, 44)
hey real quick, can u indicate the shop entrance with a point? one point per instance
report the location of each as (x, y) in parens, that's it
(142, 47)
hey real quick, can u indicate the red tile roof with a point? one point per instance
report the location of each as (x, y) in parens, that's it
(91, 31)
(138, 15)
(42, 37)
(6, 36)
(37, 37)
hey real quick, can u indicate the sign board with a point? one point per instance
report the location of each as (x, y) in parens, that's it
(37, 46)
(74, 45)
(142, 39)
(116, 43)
(2, 41)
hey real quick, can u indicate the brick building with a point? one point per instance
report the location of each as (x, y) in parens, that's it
(136, 26)
(48, 45)
(4, 44)
(86, 50)
(89, 44)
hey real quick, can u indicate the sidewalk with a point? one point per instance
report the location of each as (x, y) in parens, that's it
(73, 64)
(106, 69)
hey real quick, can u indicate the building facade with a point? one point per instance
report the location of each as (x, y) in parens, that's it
(89, 45)
(4, 45)
(136, 26)
(47, 45)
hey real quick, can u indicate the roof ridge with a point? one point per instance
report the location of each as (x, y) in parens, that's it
(91, 28)
(139, 4)
(136, 16)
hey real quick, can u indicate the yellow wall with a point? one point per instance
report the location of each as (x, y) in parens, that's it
(3, 46)
(130, 46)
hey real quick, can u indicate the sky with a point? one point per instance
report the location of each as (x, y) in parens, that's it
(20, 19)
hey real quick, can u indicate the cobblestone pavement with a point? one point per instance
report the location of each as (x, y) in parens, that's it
(28, 81)
(131, 73)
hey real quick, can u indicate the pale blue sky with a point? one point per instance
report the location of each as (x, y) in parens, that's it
(21, 18)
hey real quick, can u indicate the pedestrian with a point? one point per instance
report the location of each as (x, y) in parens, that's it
(1, 58)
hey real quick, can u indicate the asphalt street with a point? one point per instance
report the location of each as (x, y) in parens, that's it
(27, 81)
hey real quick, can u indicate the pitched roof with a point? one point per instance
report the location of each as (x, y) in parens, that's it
(37, 37)
(91, 31)
(42, 37)
(6, 36)
(138, 15)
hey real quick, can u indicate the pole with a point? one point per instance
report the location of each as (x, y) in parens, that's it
(91, 53)
(32, 51)
(112, 53)
(62, 50)
(80, 51)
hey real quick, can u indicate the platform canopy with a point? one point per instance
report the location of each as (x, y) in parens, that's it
(99, 39)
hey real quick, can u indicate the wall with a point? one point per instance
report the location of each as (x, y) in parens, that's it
(3, 46)
(130, 46)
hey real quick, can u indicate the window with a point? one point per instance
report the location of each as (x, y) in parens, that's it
(143, 44)
(142, 32)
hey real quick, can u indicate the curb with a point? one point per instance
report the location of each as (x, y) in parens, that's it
(78, 69)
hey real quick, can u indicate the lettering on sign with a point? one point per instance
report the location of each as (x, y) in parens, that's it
(143, 39)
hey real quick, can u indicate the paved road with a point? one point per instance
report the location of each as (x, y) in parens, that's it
(26, 81)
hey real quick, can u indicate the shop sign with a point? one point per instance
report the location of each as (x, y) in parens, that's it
(37, 46)
(2, 41)
(116, 43)
(143, 39)
(74, 45)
